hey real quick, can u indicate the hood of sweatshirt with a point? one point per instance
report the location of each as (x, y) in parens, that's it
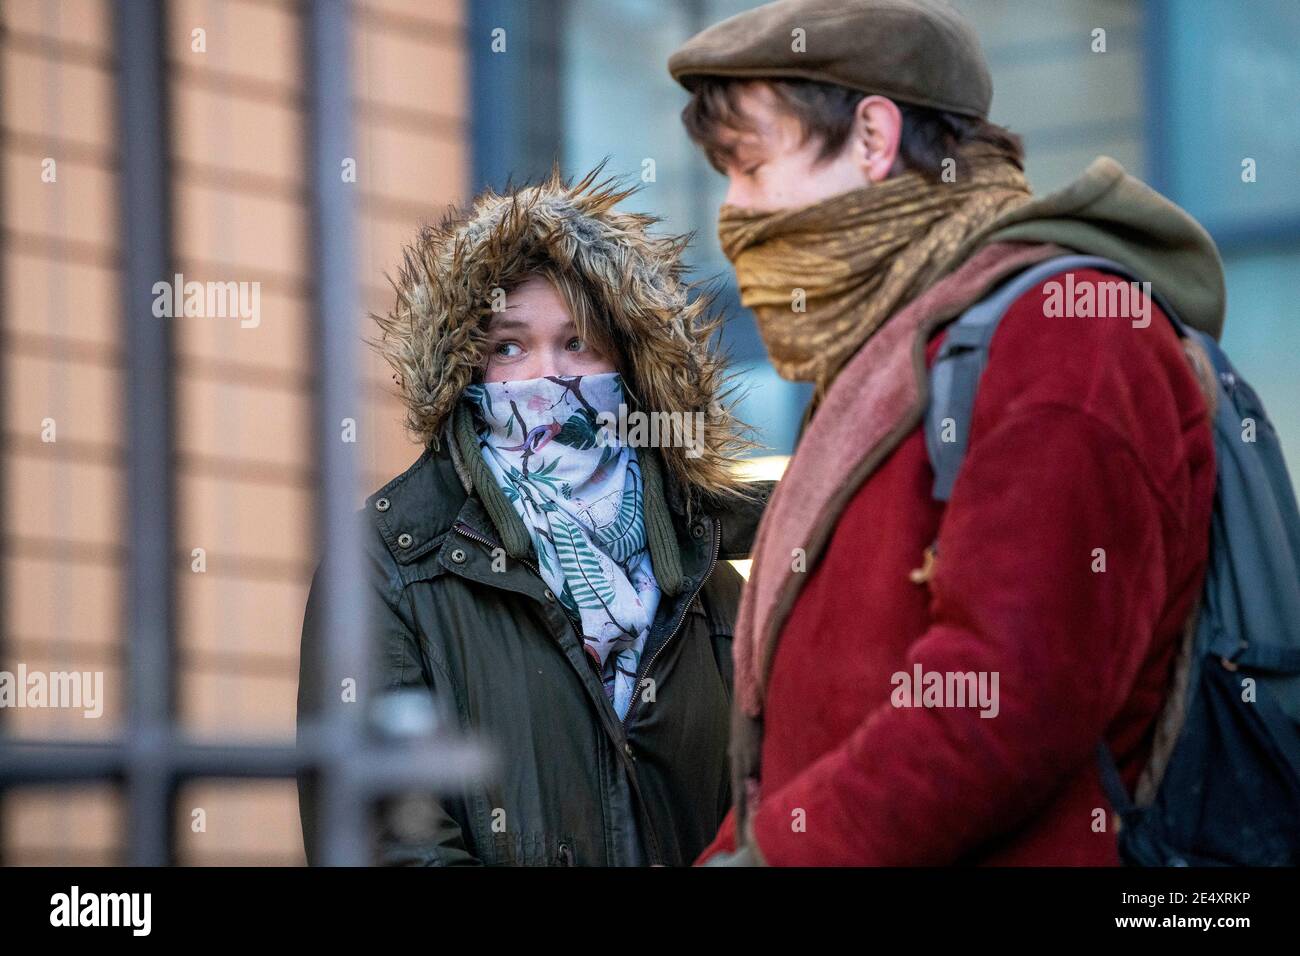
(1107, 212)
(435, 337)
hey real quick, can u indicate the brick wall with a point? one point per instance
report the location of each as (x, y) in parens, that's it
(244, 464)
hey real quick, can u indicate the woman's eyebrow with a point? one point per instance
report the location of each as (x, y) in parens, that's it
(506, 323)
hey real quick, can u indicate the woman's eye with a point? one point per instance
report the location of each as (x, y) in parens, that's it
(575, 345)
(503, 349)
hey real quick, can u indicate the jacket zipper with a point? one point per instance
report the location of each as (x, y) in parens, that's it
(565, 852)
(466, 531)
(642, 671)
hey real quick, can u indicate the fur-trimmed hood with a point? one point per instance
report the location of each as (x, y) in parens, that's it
(435, 336)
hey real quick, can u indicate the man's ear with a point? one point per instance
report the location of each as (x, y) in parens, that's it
(877, 130)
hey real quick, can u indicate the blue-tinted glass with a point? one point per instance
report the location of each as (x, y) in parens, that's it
(1232, 78)
(1262, 336)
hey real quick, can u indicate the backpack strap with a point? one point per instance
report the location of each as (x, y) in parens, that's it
(954, 381)
(955, 374)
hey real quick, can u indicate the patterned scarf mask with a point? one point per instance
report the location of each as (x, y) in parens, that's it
(822, 278)
(581, 497)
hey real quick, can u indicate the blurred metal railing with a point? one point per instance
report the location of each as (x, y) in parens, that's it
(355, 766)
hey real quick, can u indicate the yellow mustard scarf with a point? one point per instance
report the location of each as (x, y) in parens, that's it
(822, 278)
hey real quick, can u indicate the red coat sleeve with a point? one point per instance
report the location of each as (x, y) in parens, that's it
(1057, 467)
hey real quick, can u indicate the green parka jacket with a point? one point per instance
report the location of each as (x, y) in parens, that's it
(505, 663)
(460, 612)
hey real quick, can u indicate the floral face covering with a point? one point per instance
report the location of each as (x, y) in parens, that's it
(581, 497)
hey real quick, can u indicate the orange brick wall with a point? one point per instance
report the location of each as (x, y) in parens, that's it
(244, 463)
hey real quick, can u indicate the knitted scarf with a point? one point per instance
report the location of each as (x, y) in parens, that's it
(821, 279)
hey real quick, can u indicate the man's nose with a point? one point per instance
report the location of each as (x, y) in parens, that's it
(736, 195)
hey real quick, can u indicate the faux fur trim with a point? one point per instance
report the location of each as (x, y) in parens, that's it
(435, 336)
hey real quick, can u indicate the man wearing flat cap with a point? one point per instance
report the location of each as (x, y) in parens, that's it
(921, 677)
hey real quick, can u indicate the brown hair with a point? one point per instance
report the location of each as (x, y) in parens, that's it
(825, 113)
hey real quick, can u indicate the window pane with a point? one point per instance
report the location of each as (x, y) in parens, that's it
(1233, 87)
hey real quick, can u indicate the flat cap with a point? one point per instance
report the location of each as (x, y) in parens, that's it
(913, 51)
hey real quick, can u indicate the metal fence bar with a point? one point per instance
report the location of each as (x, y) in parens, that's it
(326, 63)
(153, 755)
(140, 36)
(421, 765)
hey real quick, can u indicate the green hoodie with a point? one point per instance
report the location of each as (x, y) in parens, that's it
(1107, 212)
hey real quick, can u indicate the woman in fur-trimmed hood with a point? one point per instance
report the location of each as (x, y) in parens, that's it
(454, 276)
(552, 570)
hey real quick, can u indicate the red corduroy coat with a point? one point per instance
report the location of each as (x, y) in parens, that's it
(1089, 440)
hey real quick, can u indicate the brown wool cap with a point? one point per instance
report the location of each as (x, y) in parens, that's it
(912, 51)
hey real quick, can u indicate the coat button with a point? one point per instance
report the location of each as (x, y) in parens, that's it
(549, 594)
(404, 540)
(697, 530)
(381, 504)
(458, 555)
(627, 749)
